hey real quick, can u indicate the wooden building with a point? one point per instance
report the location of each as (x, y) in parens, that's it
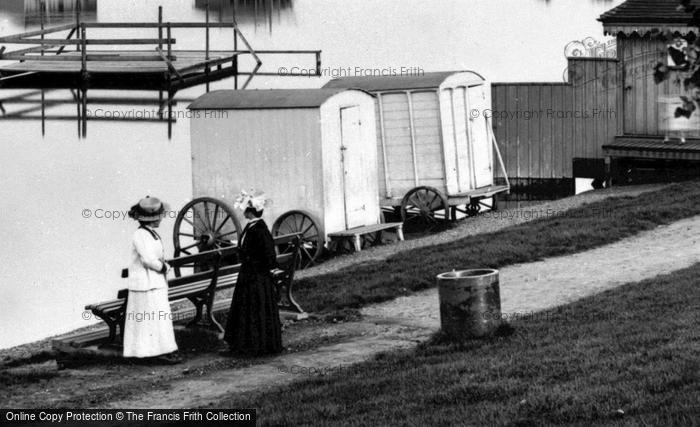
(609, 117)
(312, 151)
(551, 132)
(648, 107)
(432, 138)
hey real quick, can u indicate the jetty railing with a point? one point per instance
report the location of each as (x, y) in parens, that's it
(57, 46)
(191, 71)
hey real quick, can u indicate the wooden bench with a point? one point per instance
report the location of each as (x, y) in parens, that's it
(201, 286)
(356, 234)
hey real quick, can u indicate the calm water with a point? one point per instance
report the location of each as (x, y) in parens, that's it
(63, 199)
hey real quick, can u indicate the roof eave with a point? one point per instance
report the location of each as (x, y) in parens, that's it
(643, 28)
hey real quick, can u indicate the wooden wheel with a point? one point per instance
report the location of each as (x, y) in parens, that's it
(303, 223)
(347, 245)
(344, 246)
(424, 208)
(204, 224)
(371, 239)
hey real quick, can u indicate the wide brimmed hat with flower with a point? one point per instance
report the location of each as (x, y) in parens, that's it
(251, 199)
(148, 209)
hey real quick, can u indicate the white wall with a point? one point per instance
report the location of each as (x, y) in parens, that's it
(455, 114)
(277, 151)
(332, 165)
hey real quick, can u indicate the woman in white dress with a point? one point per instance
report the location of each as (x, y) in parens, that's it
(148, 326)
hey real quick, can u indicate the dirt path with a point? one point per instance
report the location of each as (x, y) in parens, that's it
(403, 322)
(560, 280)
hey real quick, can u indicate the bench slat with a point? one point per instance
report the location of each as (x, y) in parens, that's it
(184, 280)
(181, 291)
(357, 231)
(206, 256)
(200, 283)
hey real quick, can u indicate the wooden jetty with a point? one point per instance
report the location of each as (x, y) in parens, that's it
(80, 61)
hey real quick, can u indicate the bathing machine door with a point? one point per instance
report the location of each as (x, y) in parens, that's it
(479, 136)
(353, 167)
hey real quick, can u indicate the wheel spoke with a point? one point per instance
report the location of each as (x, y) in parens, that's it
(433, 200)
(292, 224)
(303, 233)
(226, 234)
(308, 255)
(190, 246)
(426, 197)
(216, 214)
(194, 227)
(207, 219)
(299, 222)
(286, 226)
(414, 218)
(423, 195)
(185, 234)
(301, 226)
(418, 200)
(222, 224)
(309, 262)
(411, 200)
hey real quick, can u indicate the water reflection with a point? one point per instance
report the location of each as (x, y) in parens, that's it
(29, 12)
(245, 11)
(55, 105)
(12, 9)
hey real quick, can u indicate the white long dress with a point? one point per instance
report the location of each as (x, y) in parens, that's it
(148, 327)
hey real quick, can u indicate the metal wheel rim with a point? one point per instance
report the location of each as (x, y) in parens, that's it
(419, 207)
(204, 223)
(300, 222)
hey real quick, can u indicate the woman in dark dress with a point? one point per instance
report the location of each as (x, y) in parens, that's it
(253, 326)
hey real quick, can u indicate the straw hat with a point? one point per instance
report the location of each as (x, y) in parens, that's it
(251, 199)
(148, 209)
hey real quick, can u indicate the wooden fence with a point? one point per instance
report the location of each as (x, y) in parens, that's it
(542, 127)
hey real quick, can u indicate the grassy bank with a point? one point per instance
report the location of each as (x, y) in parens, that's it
(553, 233)
(628, 356)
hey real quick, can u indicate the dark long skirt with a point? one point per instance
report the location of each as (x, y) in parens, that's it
(253, 326)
